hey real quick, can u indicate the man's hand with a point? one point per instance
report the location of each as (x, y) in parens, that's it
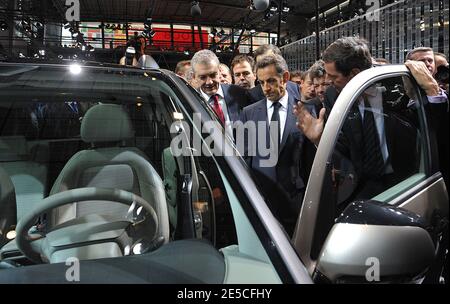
(423, 77)
(310, 126)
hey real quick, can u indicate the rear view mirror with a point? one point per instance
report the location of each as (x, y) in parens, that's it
(373, 242)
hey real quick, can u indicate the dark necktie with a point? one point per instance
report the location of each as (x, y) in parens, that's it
(217, 108)
(276, 118)
(373, 163)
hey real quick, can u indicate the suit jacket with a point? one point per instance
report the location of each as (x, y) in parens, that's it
(236, 99)
(285, 175)
(401, 136)
(314, 106)
(256, 94)
(61, 120)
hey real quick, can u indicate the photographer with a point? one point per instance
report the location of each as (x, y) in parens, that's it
(134, 51)
(442, 75)
(438, 106)
(130, 57)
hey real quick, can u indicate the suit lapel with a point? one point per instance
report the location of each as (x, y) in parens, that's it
(261, 115)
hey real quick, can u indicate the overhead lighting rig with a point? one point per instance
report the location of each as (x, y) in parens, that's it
(274, 9)
(148, 30)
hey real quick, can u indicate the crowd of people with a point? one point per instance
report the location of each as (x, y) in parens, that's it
(260, 88)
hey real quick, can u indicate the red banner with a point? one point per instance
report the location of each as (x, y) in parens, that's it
(182, 39)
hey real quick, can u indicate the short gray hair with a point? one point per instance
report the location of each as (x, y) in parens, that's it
(317, 70)
(418, 50)
(189, 74)
(204, 57)
(224, 66)
(276, 60)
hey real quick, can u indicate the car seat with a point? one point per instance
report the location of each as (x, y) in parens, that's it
(110, 164)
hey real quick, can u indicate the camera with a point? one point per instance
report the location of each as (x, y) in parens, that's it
(442, 74)
(130, 55)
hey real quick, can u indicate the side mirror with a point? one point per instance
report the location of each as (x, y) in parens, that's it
(372, 242)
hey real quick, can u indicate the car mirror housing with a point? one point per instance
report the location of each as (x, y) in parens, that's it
(372, 242)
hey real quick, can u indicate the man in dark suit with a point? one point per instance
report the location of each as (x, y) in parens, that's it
(274, 145)
(256, 94)
(373, 138)
(226, 100)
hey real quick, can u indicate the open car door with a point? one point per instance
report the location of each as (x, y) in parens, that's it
(389, 228)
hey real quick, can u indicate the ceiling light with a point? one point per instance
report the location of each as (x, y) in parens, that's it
(261, 5)
(196, 11)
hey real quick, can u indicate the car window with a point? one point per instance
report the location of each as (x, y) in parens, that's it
(380, 152)
(41, 125)
(217, 212)
(381, 149)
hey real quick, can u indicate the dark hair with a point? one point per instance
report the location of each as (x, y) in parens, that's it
(418, 50)
(348, 53)
(297, 73)
(243, 58)
(265, 48)
(276, 60)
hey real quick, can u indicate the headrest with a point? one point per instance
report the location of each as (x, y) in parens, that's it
(106, 123)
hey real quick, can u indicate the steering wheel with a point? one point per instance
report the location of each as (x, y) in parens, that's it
(89, 230)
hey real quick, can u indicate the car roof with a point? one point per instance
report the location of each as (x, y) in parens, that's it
(68, 62)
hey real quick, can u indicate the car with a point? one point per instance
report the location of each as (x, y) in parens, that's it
(113, 174)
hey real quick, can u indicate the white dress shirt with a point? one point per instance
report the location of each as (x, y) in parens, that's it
(223, 104)
(282, 112)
